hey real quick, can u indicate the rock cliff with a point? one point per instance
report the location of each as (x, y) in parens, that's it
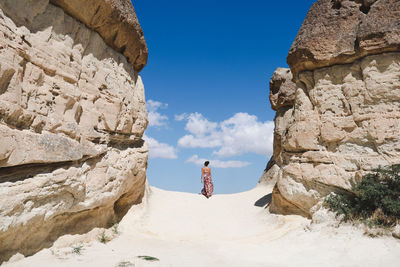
(344, 118)
(72, 116)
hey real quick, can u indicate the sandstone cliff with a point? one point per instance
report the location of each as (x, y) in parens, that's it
(339, 117)
(72, 116)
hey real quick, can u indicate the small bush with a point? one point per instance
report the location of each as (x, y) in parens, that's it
(125, 264)
(148, 258)
(375, 199)
(103, 238)
(77, 249)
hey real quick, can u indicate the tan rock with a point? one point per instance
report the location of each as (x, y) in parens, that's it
(280, 205)
(341, 31)
(303, 132)
(114, 20)
(282, 89)
(72, 117)
(396, 231)
(345, 118)
(270, 175)
(356, 107)
(282, 120)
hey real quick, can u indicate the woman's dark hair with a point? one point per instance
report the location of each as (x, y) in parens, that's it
(206, 163)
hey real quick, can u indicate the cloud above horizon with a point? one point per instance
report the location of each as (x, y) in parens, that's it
(240, 134)
(218, 163)
(155, 117)
(160, 150)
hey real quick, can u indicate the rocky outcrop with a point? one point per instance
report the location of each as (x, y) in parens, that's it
(115, 21)
(281, 96)
(345, 119)
(72, 116)
(282, 89)
(342, 31)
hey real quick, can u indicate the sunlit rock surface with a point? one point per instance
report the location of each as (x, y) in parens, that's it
(345, 118)
(72, 116)
(341, 31)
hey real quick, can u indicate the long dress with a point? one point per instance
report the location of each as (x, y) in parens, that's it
(208, 185)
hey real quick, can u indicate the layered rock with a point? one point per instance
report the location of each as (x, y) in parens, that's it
(345, 119)
(115, 21)
(281, 96)
(72, 116)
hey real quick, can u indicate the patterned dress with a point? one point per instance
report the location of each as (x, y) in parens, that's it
(208, 185)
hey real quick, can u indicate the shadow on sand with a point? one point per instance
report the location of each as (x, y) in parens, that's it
(264, 201)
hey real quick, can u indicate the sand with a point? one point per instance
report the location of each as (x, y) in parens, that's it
(182, 229)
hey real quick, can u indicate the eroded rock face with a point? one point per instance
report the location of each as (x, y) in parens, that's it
(282, 89)
(72, 116)
(341, 31)
(345, 118)
(281, 96)
(115, 21)
(345, 121)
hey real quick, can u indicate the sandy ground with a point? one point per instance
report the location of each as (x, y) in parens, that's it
(182, 229)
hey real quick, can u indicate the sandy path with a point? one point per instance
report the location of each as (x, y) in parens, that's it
(183, 229)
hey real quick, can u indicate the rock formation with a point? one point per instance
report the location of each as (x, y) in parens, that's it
(345, 117)
(338, 32)
(72, 116)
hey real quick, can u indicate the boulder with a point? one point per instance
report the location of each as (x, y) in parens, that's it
(282, 89)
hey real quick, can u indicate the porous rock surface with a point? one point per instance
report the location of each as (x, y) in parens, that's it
(72, 116)
(341, 31)
(282, 89)
(345, 118)
(115, 21)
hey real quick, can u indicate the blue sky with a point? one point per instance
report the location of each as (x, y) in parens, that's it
(206, 84)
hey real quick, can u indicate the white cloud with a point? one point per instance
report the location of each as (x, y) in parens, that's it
(242, 133)
(218, 163)
(191, 141)
(160, 150)
(155, 105)
(181, 117)
(198, 125)
(156, 118)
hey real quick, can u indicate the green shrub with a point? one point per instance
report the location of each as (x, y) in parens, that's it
(125, 264)
(376, 198)
(148, 258)
(103, 238)
(77, 249)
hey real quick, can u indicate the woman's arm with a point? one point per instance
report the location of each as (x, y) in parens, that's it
(202, 175)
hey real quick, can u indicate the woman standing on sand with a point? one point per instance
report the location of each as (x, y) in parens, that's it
(206, 179)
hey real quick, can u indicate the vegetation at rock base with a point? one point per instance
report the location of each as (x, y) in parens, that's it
(125, 264)
(375, 200)
(77, 249)
(103, 238)
(148, 258)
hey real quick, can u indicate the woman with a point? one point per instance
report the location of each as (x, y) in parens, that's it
(206, 178)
